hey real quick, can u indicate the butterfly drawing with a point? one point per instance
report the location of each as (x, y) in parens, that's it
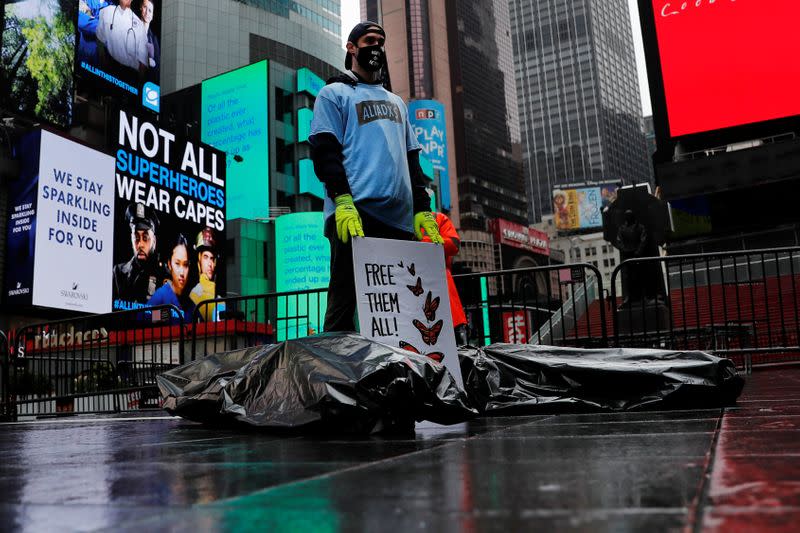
(406, 346)
(436, 356)
(412, 269)
(416, 289)
(430, 307)
(429, 335)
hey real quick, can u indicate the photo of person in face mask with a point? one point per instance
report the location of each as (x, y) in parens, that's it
(367, 155)
(175, 290)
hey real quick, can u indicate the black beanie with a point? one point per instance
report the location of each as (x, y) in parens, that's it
(358, 31)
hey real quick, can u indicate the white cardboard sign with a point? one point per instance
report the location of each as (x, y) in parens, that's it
(402, 297)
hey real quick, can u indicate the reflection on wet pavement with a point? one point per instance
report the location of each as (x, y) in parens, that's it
(594, 472)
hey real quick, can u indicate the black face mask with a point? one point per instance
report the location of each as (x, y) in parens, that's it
(371, 58)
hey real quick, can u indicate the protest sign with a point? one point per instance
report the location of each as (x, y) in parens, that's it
(402, 297)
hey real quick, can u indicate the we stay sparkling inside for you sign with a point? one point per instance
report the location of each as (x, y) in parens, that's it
(402, 298)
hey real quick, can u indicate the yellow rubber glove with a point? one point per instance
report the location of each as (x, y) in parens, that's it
(424, 220)
(348, 221)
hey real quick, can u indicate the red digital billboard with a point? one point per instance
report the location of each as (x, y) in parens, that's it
(728, 63)
(519, 236)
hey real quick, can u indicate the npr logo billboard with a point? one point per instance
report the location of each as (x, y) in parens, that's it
(427, 120)
(425, 114)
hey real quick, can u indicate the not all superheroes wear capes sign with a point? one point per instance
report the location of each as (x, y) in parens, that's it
(402, 296)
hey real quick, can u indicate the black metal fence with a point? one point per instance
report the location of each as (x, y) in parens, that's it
(743, 305)
(540, 305)
(6, 412)
(95, 363)
(254, 320)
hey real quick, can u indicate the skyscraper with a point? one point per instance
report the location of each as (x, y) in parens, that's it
(579, 103)
(203, 38)
(490, 180)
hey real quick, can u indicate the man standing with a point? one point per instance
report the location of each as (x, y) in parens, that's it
(632, 243)
(206, 288)
(365, 152)
(138, 279)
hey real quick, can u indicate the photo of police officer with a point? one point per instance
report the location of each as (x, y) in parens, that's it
(175, 291)
(137, 279)
(206, 289)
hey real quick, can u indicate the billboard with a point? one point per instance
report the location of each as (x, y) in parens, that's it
(92, 232)
(726, 63)
(428, 120)
(60, 232)
(119, 47)
(582, 208)
(302, 261)
(309, 82)
(38, 54)
(170, 218)
(235, 119)
(516, 326)
(519, 236)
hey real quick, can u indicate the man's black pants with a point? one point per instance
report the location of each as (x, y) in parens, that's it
(342, 288)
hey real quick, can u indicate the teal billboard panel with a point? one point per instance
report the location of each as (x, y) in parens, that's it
(304, 117)
(428, 120)
(235, 119)
(302, 261)
(308, 82)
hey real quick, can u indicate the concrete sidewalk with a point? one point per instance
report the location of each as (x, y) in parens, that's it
(714, 469)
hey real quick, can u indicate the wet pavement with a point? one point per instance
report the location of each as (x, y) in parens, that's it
(719, 470)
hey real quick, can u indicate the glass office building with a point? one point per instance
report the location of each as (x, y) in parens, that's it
(203, 38)
(579, 102)
(490, 181)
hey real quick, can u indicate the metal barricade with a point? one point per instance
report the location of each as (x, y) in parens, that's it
(744, 305)
(94, 364)
(246, 321)
(558, 305)
(6, 399)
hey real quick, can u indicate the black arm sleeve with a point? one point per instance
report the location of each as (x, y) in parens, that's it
(422, 202)
(326, 153)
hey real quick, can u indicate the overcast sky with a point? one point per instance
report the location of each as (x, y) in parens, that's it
(350, 16)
